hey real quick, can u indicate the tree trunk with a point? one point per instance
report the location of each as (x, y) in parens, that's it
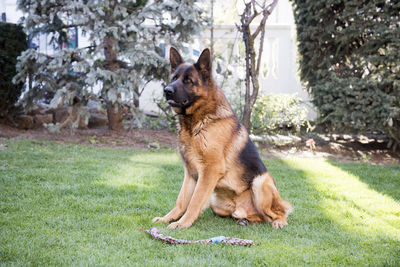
(114, 115)
(114, 109)
(136, 97)
(249, 104)
(252, 59)
(250, 63)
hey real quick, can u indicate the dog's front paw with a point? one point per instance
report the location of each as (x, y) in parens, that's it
(161, 219)
(179, 225)
(279, 223)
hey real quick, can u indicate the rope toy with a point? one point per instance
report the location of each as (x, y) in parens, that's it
(213, 240)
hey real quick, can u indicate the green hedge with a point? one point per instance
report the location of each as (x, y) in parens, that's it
(350, 63)
(12, 42)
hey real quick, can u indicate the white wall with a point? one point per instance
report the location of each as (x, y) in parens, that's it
(279, 60)
(10, 8)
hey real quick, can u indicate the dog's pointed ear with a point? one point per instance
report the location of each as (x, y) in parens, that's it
(175, 58)
(204, 64)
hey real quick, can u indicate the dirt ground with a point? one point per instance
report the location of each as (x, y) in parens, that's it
(339, 147)
(372, 151)
(101, 137)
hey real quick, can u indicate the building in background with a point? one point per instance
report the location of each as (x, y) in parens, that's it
(278, 71)
(9, 12)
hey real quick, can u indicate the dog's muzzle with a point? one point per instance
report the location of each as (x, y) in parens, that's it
(169, 92)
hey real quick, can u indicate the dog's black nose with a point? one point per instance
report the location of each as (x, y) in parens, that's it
(169, 90)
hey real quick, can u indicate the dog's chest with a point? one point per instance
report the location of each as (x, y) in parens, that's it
(191, 147)
(190, 158)
(232, 182)
(193, 163)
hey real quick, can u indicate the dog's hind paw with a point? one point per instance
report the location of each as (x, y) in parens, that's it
(242, 222)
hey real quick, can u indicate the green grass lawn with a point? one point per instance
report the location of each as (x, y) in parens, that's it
(80, 205)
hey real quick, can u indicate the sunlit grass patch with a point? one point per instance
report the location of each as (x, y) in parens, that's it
(81, 205)
(136, 171)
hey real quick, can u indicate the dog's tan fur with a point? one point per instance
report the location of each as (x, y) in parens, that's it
(210, 143)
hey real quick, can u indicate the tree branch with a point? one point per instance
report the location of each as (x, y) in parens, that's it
(144, 86)
(266, 12)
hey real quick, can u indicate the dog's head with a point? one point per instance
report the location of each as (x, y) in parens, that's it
(188, 82)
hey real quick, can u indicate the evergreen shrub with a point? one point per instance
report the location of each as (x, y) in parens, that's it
(12, 42)
(350, 63)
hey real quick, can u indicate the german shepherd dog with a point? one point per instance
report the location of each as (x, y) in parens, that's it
(222, 165)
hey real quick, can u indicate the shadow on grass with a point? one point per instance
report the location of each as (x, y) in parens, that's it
(384, 179)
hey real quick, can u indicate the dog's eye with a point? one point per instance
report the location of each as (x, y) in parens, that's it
(174, 78)
(187, 80)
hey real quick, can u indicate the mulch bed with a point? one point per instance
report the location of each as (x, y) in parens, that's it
(339, 147)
